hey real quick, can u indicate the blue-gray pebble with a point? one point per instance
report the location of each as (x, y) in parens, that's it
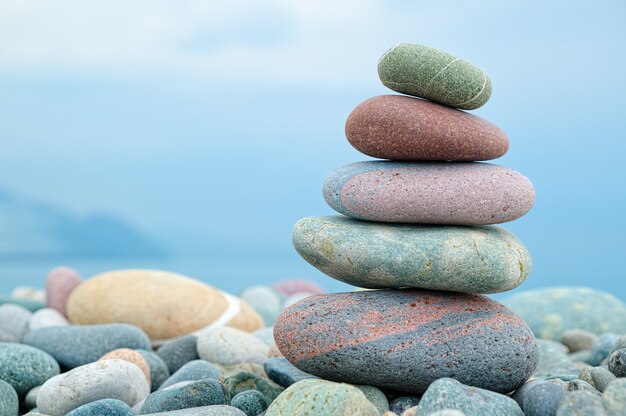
(105, 407)
(199, 393)
(77, 345)
(251, 402)
(581, 403)
(282, 372)
(602, 347)
(178, 352)
(521, 392)
(158, 369)
(192, 371)
(617, 363)
(30, 304)
(9, 403)
(403, 403)
(554, 361)
(543, 400)
(25, 367)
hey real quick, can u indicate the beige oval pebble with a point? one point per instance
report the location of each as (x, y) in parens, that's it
(131, 356)
(165, 305)
(229, 346)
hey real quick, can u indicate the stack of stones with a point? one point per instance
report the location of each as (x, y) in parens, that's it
(419, 228)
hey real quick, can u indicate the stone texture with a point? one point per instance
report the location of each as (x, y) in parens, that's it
(376, 397)
(104, 407)
(543, 400)
(192, 371)
(178, 352)
(131, 356)
(229, 346)
(9, 404)
(550, 312)
(73, 346)
(519, 394)
(46, 317)
(264, 300)
(14, 320)
(216, 410)
(484, 259)
(602, 347)
(554, 361)
(401, 404)
(242, 380)
(614, 398)
(30, 304)
(159, 372)
(429, 73)
(617, 363)
(109, 379)
(60, 284)
(199, 393)
(30, 401)
(282, 372)
(25, 367)
(406, 339)
(429, 192)
(251, 402)
(165, 305)
(581, 403)
(322, 398)
(578, 339)
(404, 128)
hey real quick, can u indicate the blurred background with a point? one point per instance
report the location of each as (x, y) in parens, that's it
(191, 135)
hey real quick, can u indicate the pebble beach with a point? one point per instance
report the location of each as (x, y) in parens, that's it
(419, 235)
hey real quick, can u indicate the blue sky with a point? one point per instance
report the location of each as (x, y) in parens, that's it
(210, 126)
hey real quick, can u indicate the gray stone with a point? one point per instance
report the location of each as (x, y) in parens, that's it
(192, 371)
(614, 398)
(554, 362)
(282, 372)
(30, 401)
(581, 403)
(521, 392)
(14, 320)
(9, 403)
(578, 339)
(199, 393)
(403, 403)
(543, 400)
(602, 347)
(376, 397)
(105, 407)
(158, 369)
(251, 402)
(25, 367)
(178, 352)
(617, 363)
(217, 410)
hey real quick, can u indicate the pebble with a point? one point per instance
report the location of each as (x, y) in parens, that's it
(192, 371)
(484, 259)
(602, 347)
(199, 393)
(614, 397)
(408, 129)
(215, 410)
(242, 380)
(406, 339)
(598, 377)
(322, 398)
(131, 356)
(445, 412)
(265, 334)
(543, 400)
(554, 361)
(9, 403)
(251, 402)
(578, 339)
(109, 379)
(60, 284)
(46, 317)
(617, 363)
(376, 397)
(159, 372)
(29, 292)
(295, 298)
(581, 403)
(178, 352)
(552, 311)
(256, 368)
(429, 73)
(292, 286)
(401, 404)
(282, 372)
(30, 401)
(575, 385)
(519, 394)
(30, 304)
(265, 300)
(25, 367)
(7, 337)
(104, 407)
(229, 346)
(137, 297)
(14, 320)
(76, 345)
(447, 393)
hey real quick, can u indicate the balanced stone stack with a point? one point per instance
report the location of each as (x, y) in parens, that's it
(419, 228)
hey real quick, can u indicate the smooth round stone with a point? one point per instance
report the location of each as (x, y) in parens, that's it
(429, 192)
(251, 402)
(9, 403)
(165, 305)
(598, 377)
(131, 356)
(104, 407)
(282, 372)
(581, 403)
(522, 390)
(376, 397)
(408, 129)
(406, 339)
(242, 380)
(552, 311)
(447, 393)
(14, 320)
(401, 404)
(159, 372)
(265, 334)
(429, 73)
(46, 317)
(265, 300)
(30, 401)
(25, 367)
(578, 339)
(109, 379)
(30, 304)
(614, 397)
(215, 410)
(292, 286)
(322, 398)
(60, 284)
(554, 361)
(602, 347)
(199, 393)
(192, 371)
(73, 346)
(483, 259)
(619, 344)
(617, 363)
(543, 400)
(229, 346)
(178, 352)
(575, 385)
(29, 292)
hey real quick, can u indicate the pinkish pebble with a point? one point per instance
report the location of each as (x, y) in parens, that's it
(293, 286)
(60, 284)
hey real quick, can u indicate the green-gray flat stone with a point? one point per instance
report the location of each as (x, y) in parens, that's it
(9, 404)
(435, 75)
(484, 259)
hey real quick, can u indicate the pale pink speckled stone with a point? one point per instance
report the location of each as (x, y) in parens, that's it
(60, 284)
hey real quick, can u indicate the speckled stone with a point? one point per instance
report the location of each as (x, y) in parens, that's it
(543, 400)
(215, 410)
(46, 317)
(25, 367)
(192, 371)
(598, 377)
(282, 372)
(429, 192)
(322, 398)
(159, 372)
(108, 379)
(581, 403)
(401, 404)
(14, 320)
(575, 385)
(578, 339)
(406, 339)
(60, 284)
(614, 397)
(429, 73)
(376, 397)
(241, 380)
(178, 352)
(30, 304)
(104, 407)
(484, 259)
(131, 356)
(9, 403)
(264, 300)
(554, 361)
(293, 286)
(550, 312)
(617, 363)
(229, 346)
(602, 347)
(199, 393)
(404, 128)
(519, 394)
(447, 393)
(73, 346)
(251, 402)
